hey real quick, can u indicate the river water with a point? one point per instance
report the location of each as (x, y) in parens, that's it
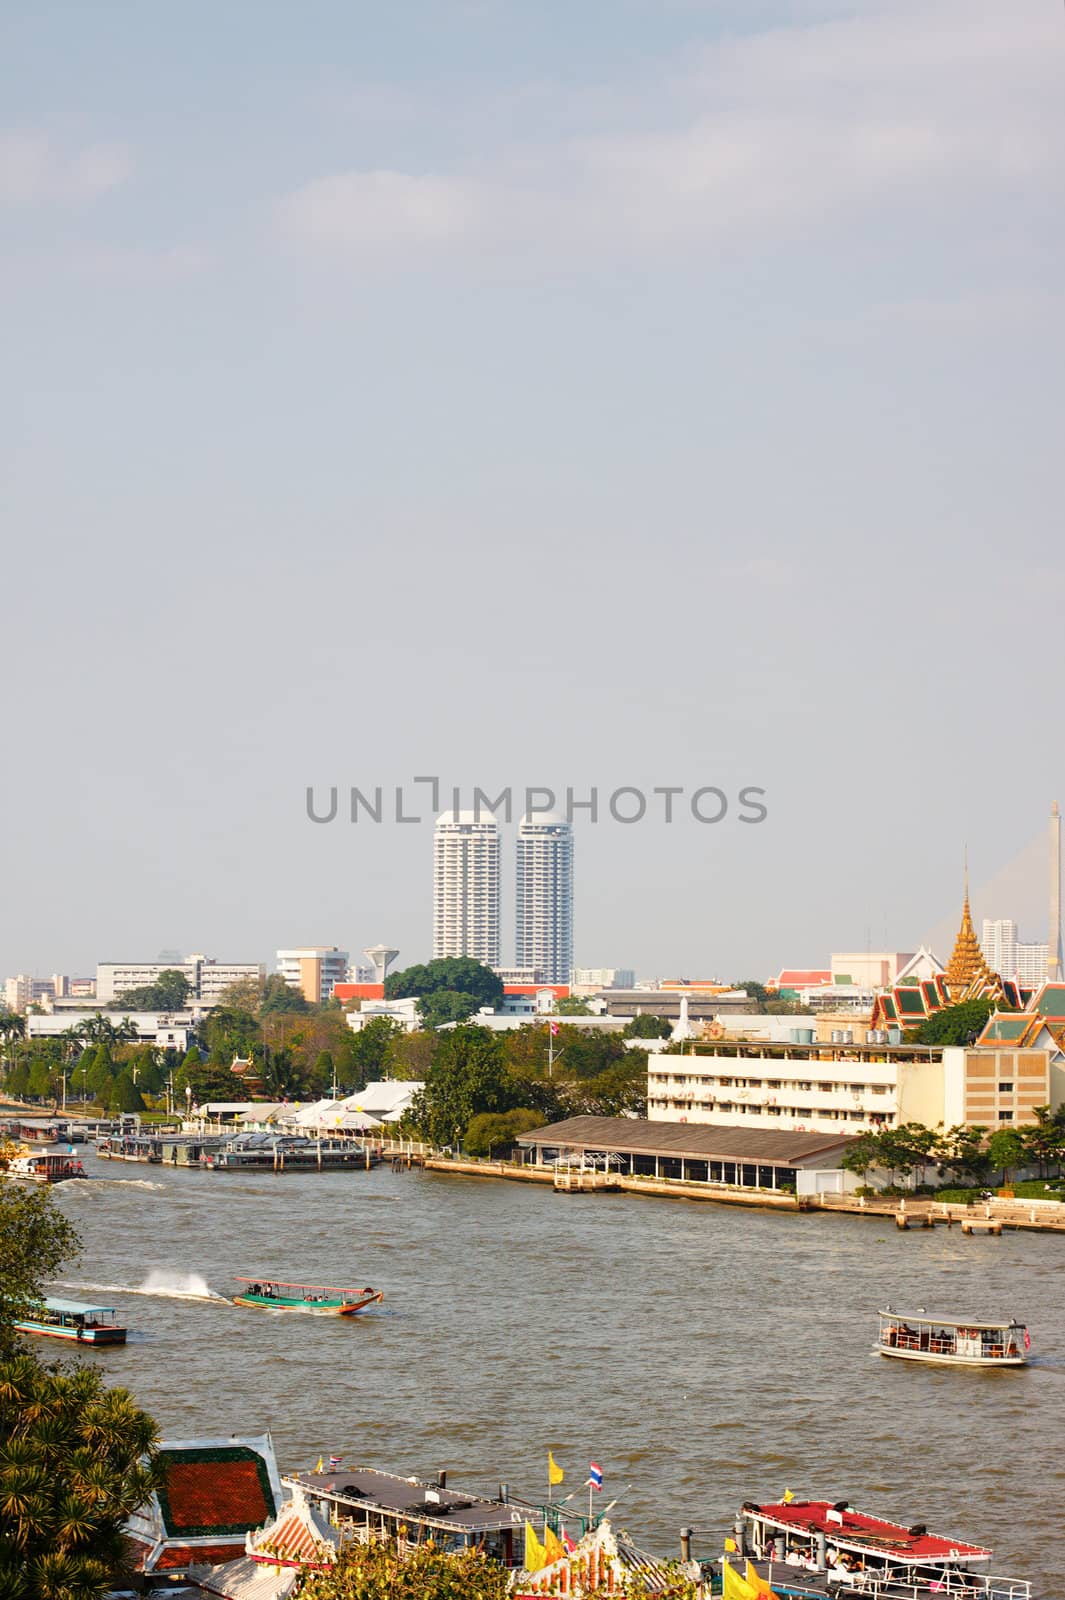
(702, 1355)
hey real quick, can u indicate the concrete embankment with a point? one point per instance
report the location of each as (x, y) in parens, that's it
(919, 1212)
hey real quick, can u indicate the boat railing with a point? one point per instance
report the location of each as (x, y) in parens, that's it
(946, 1585)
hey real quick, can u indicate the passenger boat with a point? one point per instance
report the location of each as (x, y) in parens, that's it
(811, 1547)
(273, 1152)
(46, 1166)
(269, 1295)
(130, 1147)
(75, 1321)
(953, 1341)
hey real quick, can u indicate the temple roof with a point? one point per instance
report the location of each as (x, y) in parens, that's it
(967, 965)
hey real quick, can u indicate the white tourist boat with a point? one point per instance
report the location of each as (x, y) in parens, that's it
(953, 1341)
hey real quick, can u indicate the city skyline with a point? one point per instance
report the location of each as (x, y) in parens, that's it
(501, 391)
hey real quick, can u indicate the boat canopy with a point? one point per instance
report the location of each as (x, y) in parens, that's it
(318, 1288)
(74, 1308)
(950, 1322)
(851, 1530)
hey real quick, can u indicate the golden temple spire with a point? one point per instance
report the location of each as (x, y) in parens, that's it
(967, 962)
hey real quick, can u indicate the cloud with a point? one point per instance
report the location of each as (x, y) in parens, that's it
(369, 211)
(34, 172)
(914, 110)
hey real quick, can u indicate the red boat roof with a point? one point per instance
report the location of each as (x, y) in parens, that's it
(886, 1538)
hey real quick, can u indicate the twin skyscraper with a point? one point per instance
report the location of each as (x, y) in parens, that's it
(466, 892)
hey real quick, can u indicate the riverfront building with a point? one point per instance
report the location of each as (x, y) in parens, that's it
(466, 886)
(853, 1088)
(543, 898)
(743, 1157)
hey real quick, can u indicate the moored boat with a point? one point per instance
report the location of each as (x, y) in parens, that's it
(806, 1546)
(269, 1295)
(953, 1341)
(73, 1320)
(130, 1147)
(46, 1166)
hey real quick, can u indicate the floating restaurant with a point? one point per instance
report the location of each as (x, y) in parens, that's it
(687, 1152)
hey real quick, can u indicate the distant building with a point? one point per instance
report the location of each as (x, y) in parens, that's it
(314, 970)
(466, 885)
(871, 969)
(543, 896)
(403, 1012)
(22, 991)
(207, 977)
(1009, 956)
(592, 979)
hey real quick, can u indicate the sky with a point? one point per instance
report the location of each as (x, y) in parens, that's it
(639, 393)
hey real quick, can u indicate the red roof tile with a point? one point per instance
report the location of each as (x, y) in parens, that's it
(176, 1557)
(215, 1494)
(852, 1527)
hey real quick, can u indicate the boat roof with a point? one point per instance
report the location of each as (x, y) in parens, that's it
(852, 1528)
(952, 1322)
(407, 1497)
(72, 1307)
(322, 1288)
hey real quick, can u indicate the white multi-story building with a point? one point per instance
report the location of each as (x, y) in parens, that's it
(804, 1088)
(466, 886)
(544, 896)
(314, 970)
(206, 977)
(1009, 956)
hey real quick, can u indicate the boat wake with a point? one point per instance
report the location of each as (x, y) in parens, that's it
(96, 1183)
(163, 1285)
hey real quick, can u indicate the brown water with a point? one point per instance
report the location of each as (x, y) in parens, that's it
(701, 1355)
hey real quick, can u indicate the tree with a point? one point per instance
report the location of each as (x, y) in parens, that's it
(1045, 1142)
(861, 1155)
(324, 1073)
(755, 990)
(1006, 1150)
(446, 1005)
(230, 1033)
(459, 973)
(125, 1095)
(963, 1150)
(409, 1055)
(371, 1048)
(572, 1005)
(277, 995)
(497, 1130)
(958, 1024)
(75, 1461)
(468, 1076)
(903, 1149)
(620, 1090)
(40, 1085)
(35, 1240)
(647, 1027)
(378, 1571)
(100, 1074)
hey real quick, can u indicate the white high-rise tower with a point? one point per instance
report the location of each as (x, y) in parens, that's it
(544, 896)
(466, 886)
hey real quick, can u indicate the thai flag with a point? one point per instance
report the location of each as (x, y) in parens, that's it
(554, 1028)
(595, 1475)
(334, 1462)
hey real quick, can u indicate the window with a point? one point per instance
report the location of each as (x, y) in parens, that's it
(1005, 1116)
(1005, 1088)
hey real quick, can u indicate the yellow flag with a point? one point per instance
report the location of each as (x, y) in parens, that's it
(760, 1586)
(733, 1587)
(553, 1550)
(321, 1462)
(554, 1471)
(788, 1497)
(535, 1554)
(730, 1544)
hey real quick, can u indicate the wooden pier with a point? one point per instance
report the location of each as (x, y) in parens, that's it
(585, 1180)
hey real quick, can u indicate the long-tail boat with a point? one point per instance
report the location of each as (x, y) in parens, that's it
(266, 1294)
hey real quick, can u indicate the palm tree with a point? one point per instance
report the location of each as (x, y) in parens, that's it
(75, 1460)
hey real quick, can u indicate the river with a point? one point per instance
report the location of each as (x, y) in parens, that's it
(702, 1355)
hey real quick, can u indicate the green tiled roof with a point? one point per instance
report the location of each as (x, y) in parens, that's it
(1005, 1028)
(1052, 1001)
(911, 1002)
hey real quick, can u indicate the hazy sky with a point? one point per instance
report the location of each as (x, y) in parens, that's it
(646, 392)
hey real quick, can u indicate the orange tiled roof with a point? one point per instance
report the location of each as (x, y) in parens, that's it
(216, 1490)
